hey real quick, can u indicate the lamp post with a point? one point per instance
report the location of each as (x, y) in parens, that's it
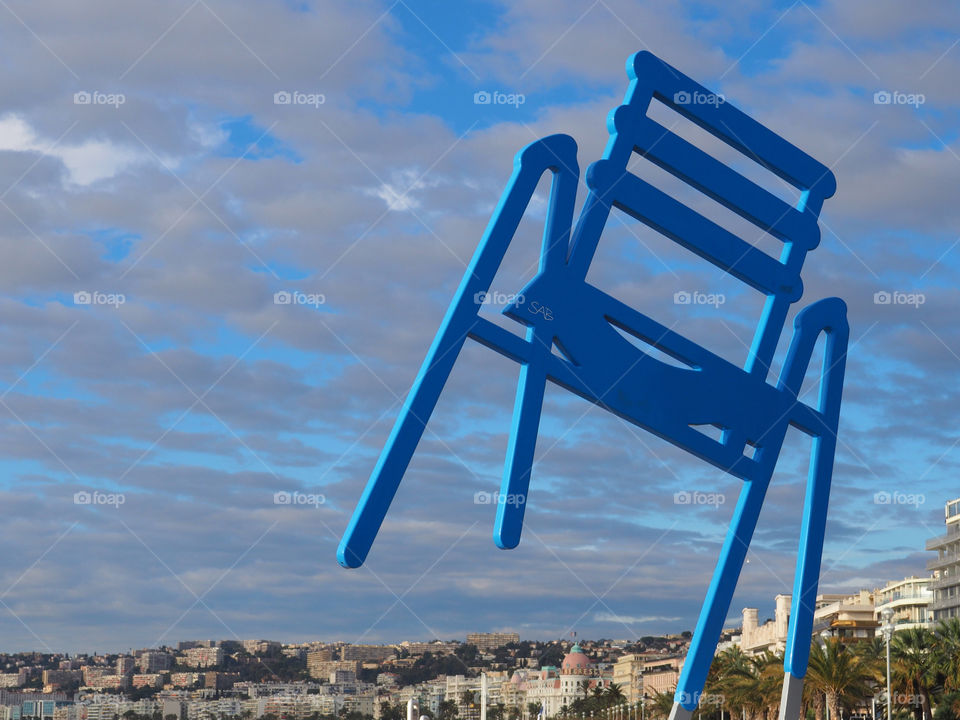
(824, 636)
(887, 630)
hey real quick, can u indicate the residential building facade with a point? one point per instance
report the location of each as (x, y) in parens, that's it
(945, 583)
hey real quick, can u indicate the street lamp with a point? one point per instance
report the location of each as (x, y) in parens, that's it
(824, 636)
(887, 630)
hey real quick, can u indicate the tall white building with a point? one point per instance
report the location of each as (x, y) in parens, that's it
(945, 583)
(909, 599)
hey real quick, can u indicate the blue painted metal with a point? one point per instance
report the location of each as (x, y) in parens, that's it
(561, 308)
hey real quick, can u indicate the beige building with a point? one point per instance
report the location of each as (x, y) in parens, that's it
(660, 675)
(203, 656)
(627, 673)
(772, 635)
(848, 617)
(322, 669)
(154, 680)
(909, 600)
(487, 642)
(367, 653)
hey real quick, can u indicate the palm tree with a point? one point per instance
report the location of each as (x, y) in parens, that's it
(661, 706)
(947, 636)
(840, 673)
(726, 670)
(614, 694)
(447, 710)
(916, 667)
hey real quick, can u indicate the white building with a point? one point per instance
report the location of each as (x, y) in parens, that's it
(909, 599)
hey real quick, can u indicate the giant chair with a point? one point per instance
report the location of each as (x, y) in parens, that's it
(674, 401)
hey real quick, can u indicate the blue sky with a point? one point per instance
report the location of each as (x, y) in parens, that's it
(265, 276)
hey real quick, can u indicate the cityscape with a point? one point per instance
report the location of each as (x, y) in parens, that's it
(500, 676)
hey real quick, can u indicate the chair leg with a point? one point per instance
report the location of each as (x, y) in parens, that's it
(720, 593)
(813, 528)
(523, 441)
(406, 434)
(557, 153)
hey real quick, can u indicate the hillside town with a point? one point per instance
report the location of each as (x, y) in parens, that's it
(499, 676)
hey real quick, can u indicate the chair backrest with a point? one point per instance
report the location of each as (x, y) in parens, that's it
(632, 130)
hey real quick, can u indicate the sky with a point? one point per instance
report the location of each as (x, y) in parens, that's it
(171, 173)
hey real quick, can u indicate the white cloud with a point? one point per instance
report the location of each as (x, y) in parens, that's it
(86, 162)
(632, 619)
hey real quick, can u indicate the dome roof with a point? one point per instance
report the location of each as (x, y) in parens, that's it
(575, 660)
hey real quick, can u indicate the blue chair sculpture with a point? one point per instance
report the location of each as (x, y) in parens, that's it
(597, 363)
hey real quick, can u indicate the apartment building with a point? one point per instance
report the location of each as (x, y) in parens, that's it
(945, 583)
(848, 617)
(909, 600)
(203, 656)
(488, 642)
(628, 675)
(367, 653)
(660, 675)
(152, 661)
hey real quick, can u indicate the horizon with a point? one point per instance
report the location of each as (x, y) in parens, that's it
(232, 230)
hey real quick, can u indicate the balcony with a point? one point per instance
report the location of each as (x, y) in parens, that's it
(902, 597)
(952, 534)
(950, 558)
(945, 603)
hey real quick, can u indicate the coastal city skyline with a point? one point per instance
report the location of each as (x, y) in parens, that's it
(231, 229)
